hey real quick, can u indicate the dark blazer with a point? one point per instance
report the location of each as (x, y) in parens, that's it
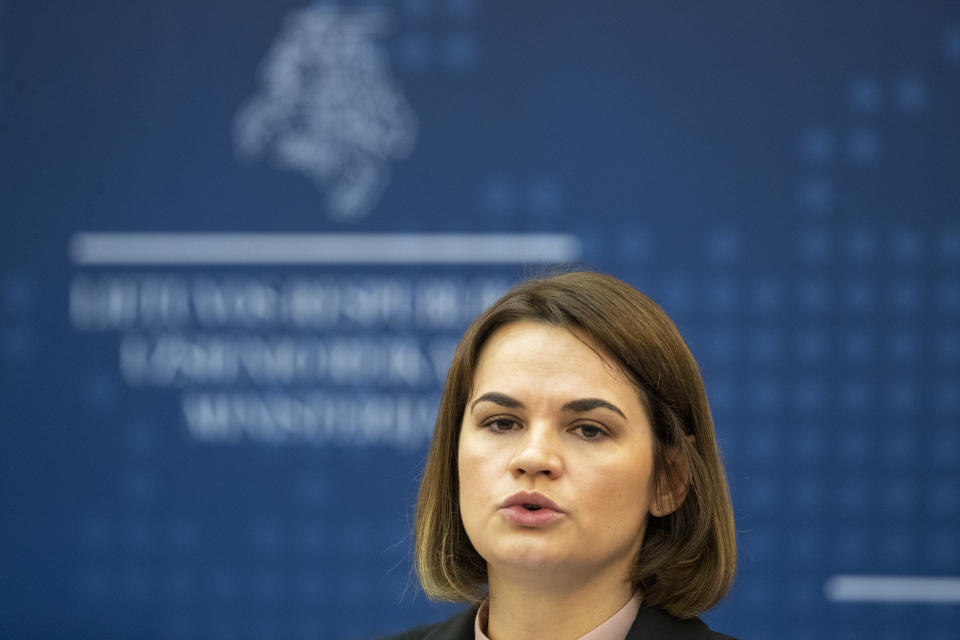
(650, 624)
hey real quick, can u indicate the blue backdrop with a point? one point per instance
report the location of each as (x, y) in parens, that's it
(209, 435)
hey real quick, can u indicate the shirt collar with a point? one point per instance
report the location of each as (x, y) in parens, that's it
(615, 627)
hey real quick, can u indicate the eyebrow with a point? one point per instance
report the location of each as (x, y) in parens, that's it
(501, 399)
(582, 405)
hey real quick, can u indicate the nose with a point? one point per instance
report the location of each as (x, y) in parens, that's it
(537, 454)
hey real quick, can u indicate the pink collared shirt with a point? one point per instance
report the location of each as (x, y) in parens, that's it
(614, 628)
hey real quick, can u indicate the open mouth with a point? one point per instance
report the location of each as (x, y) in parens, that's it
(532, 507)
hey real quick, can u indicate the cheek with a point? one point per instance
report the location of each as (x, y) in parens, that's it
(472, 477)
(620, 494)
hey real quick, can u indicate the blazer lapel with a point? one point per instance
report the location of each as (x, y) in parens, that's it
(655, 624)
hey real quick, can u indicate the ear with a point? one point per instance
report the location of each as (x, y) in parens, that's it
(674, 483)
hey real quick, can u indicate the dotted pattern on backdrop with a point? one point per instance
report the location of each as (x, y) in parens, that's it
(437, 36)
(19, 301)
(869, 311)
(819, 376)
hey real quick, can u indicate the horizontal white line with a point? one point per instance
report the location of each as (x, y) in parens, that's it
(891, 589)
(317, 248)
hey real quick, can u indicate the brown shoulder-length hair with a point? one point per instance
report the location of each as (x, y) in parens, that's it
(687, 561)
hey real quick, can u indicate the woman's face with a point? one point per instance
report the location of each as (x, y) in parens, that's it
(555, 458)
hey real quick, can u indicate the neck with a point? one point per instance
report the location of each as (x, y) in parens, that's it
(527, 610)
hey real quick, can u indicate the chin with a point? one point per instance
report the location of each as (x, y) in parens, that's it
(527, 554)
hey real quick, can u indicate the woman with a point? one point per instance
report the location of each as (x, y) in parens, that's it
(573, 487)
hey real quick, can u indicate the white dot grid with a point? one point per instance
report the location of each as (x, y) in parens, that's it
(856, 395)
(766, 345)
(459, 51)
(180, 628)
(722, 393)
(137, 583)
(222, 628)
(912, 95)
(461, 9)
(898, 545)
(850, 548)
(809, 447)
(817, 145)
(96, 534)
(763, 447)
(941, 547)
(913, 254)
(948, 296)
(179, 582)
(853, 497)
(902, 396)
(809, 501)
(436, 36)
(854, 445)
(678, 295)
(265, 627)
(267, 587)
(810, 396)
(944, 447)
(310, 587)
(721, 345)
(863, 147)
(859, 295)
(905, 295)
(766, 295)
(813, 345)
(861, 245)
(500, 195)
(899, 498)
(802, 593)
(901, 445)
(221, 584)
(140, 487)
(544, 197)
(764, 395)
(414, 52)
(722, 295)
(140, 537)
(311, 539)
(634, 245)
(416, 9)
(815, 296)
(946, 397)
(816, 196)
(101, 389)
(763, 498)
(541, 198)
(724, 246)
(815, 246)
(266, 537)
(948, 246)
(907, 245)
(94, 581)
(944, 497)
(858, 345)
(950, 42)
(17, 344)
(756, 592)
(864, 95)
(904, 346)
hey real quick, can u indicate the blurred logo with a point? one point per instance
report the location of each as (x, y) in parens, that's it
(330, 108)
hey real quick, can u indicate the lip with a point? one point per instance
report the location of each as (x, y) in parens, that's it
(521, 498)
(514, 510)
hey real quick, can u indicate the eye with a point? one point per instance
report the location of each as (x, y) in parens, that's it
(591, 431)
(500, 425)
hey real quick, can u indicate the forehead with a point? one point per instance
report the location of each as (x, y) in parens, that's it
(537, 354)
